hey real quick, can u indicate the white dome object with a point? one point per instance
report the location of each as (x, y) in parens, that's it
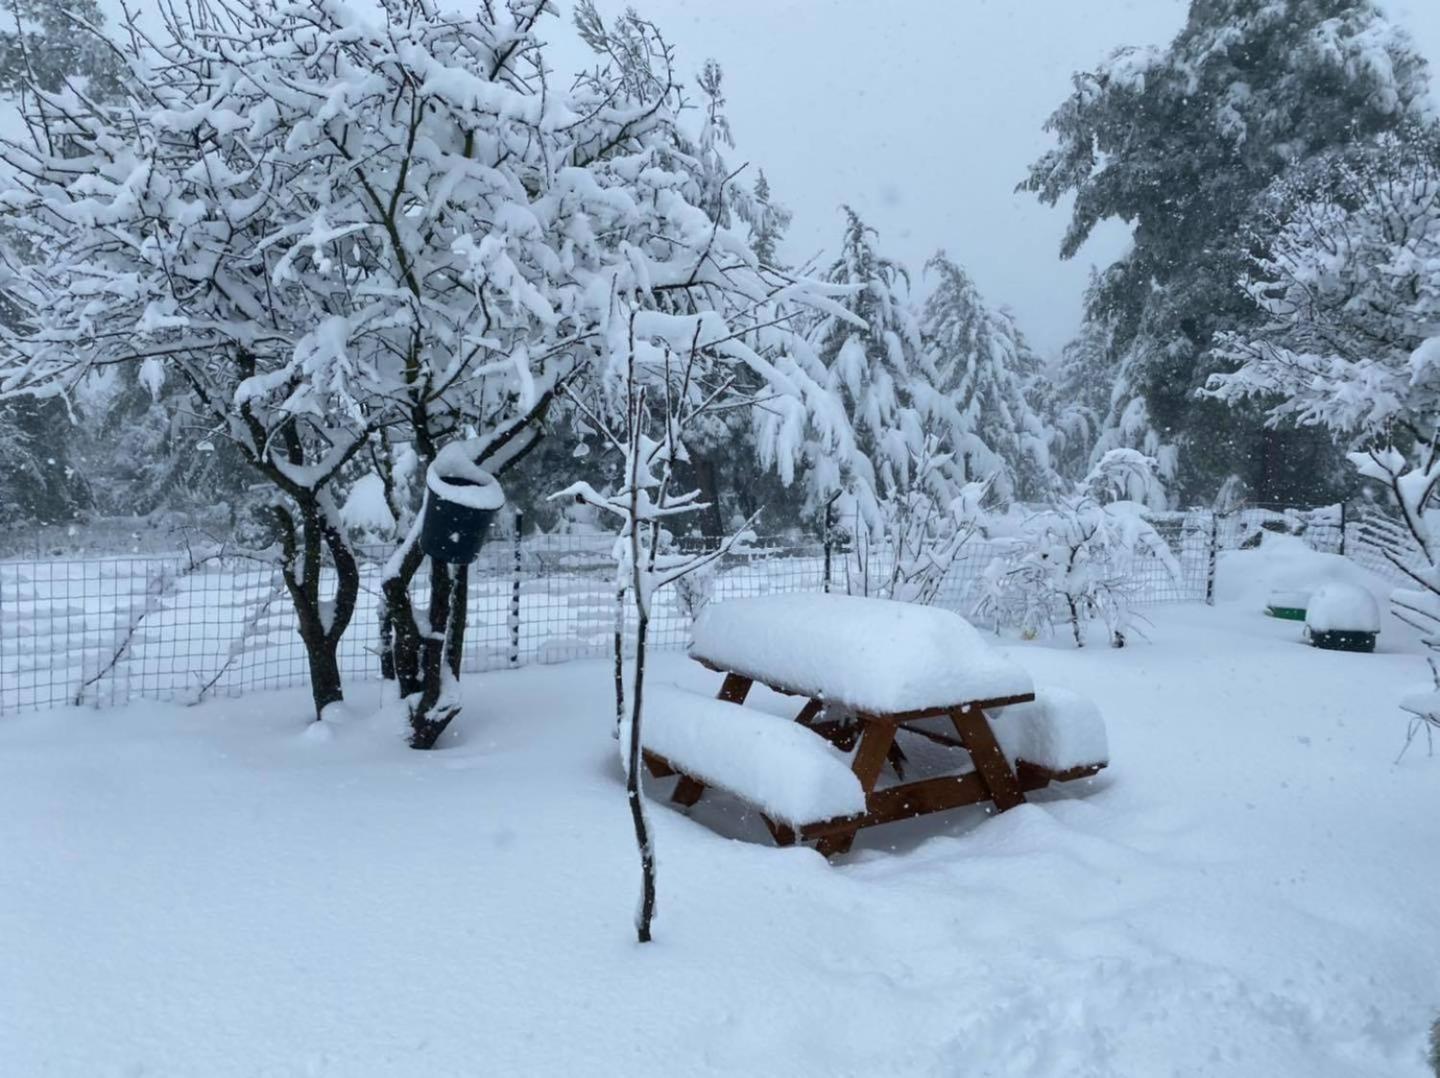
(1337, 607)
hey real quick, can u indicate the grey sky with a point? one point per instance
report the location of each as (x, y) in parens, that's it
(924, 115)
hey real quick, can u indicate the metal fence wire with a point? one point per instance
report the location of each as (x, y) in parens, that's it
(101, 631)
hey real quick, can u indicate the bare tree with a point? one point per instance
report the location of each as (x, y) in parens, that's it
(660, 398)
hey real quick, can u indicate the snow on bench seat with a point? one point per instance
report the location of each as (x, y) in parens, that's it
(1059, 730)
(790, 773)
(873, 655)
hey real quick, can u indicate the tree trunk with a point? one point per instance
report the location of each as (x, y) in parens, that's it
(459, 615)
(645, 914)
(400, 632)
(433, 711)
(322, 625)
(705, 481)
(423, 662)
(619, 643)
(326, 687)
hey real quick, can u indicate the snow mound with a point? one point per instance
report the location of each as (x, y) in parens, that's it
(791, 773)
(872, 655)
(1343, 608)
(1058, 730)
(1287, 565)
(1426, 703)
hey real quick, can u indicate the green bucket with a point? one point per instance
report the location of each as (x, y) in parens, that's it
(1288, 604)
(1286, 613)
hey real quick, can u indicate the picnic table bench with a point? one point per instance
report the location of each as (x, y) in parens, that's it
(868, 671)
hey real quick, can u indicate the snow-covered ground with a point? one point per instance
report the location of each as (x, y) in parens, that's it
(1248, 890)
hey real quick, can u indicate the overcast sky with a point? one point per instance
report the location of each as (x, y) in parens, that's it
(923, 115)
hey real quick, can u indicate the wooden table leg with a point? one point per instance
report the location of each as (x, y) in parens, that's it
(687, 791)
(875, 741)
(974, 730)
(782, 833)
(735, 688)
(810, 712)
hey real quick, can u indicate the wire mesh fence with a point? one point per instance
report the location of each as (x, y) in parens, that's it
(102, 631)
(184, 627)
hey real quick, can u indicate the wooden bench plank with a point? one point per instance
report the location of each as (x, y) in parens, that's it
(1034, 777)
(906, 801)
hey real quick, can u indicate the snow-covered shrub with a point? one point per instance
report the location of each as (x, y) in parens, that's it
(925, 537)
(1077, 561)
(1424, 711)
(694, 590)
(919, 530)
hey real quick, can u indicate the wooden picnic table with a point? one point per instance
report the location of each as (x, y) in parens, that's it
(870, 672)
(871, 733)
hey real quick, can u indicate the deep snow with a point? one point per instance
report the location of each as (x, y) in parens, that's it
(1248, 890)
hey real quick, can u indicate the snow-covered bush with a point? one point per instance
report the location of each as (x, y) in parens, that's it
(1424, 711)
(1077, 561)
(922, 529)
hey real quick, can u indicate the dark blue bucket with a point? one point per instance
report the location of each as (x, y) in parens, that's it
(452, 531)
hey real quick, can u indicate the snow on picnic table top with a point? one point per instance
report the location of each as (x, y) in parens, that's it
(874, 655)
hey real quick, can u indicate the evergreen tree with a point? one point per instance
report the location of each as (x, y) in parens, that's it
(42, 474)
(1079, 398)
(978, 371)
(872, 355)
(768, 221)
(1180, 143)
(48, 43)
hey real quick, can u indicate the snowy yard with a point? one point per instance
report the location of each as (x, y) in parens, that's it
(1076, 373)
(1249, 889)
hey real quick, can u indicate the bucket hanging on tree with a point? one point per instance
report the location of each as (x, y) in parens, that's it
(461, 499)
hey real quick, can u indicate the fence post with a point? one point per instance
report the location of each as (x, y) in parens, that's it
(1343, 522)
(1214, 557)
(827, 542)
(515, 593)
